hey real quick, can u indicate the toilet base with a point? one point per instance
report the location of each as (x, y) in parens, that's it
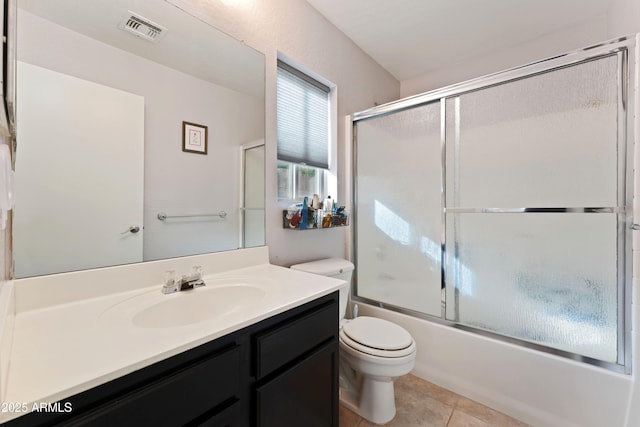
(374, 401)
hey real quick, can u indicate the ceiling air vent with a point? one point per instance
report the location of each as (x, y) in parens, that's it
(142, 27)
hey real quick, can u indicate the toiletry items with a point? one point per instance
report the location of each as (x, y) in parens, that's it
(339, 217)
(305, 215)
(326, 221)
(292, 216)
(328, 204)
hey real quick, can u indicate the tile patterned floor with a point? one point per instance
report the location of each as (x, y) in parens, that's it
(422, 404)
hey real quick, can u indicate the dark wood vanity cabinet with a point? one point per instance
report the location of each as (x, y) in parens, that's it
(280, 372)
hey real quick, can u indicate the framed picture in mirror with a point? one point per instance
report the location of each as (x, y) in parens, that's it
(194, 138)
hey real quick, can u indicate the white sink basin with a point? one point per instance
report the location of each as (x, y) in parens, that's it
(155, 310)
(198, 305)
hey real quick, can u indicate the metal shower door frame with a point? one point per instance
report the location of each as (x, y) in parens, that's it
(626, 51)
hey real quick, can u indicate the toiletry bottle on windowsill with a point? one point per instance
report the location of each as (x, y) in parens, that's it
(328, 204)
(304, 215)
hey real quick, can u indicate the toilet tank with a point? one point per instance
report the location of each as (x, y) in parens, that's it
(337, 268)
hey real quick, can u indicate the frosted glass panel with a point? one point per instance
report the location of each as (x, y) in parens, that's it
(399, 209)
(554, 142)
(549, 140)
(545, 278)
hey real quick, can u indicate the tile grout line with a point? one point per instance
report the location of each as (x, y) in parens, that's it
(454, 407)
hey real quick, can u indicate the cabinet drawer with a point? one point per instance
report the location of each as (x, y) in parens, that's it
(176, 399)
(284, 342)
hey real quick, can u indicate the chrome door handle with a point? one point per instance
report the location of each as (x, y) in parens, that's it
(133, 229)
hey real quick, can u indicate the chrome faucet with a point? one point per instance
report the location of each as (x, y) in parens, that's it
(174, 284)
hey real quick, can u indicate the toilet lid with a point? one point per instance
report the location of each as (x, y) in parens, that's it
(377, 333)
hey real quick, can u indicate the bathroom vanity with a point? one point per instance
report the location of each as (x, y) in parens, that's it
(270, 360)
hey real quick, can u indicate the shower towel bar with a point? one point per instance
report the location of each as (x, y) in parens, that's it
(162, 216)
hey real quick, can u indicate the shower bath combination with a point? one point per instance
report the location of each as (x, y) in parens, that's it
(518, 218)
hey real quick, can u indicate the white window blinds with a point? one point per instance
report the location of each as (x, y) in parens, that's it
(303, 118)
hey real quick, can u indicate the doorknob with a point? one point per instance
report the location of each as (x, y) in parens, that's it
(133, 229)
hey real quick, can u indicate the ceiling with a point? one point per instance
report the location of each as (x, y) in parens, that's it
(189, 45)
(413, 37)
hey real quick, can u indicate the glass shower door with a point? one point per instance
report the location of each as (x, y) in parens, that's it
(503, 205)
(532, 208)
(399, 213)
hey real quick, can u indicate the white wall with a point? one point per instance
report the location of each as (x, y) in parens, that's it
(295, 29)
(6, 258)
(571, 38)
(175, 182)
(623, 18)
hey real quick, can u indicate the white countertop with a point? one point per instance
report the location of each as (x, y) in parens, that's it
(64, 349)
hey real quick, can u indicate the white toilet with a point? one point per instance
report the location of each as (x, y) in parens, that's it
(373, 352)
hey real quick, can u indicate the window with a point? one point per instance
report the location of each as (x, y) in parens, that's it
(303, 134)
(297, 181)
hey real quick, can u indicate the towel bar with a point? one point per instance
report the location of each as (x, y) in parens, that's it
(162, 216)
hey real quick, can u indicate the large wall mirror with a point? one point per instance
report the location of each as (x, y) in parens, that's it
(138, 127)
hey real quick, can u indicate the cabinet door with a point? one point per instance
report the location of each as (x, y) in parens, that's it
(305, 395)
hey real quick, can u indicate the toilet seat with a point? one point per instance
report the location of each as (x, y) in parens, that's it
(377, 337)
